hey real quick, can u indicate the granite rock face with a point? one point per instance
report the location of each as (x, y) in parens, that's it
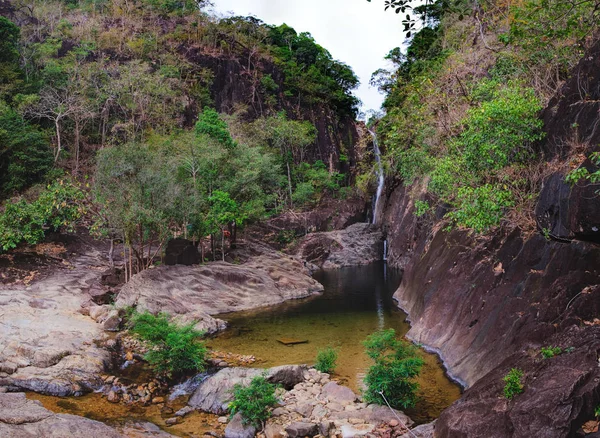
(196, 293)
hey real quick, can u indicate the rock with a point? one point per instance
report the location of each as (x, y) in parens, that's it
(338, 393)
(326, 427)
(277, 412)
(157, 400)
(184, 411)
(359, 244)
(222, 420)
(23, 418)
(172, 421)
(274, 431)
(304, 409)
(214, 393)
(112, 397)
(300, 429)
(194, 293)
(393, 423)
(373, 414)
(181, 252)
(112, 321)
(47, 343)
(351, 431)
(421, 431)
(236, 428)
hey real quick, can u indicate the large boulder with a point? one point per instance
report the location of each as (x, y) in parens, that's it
(359, 244)
(195, 293)
(237, 429)
(214, 393)
(181, 252)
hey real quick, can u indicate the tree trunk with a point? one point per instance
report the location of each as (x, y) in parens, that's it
(223, 245)
(289, 175)
(58, 143)
(77, 128)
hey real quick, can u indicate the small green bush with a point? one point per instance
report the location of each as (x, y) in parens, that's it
(513, 386)
(480, 208)
(326, 359)
(253, 401)
(396, 366)
(549, 352)
(174, 349)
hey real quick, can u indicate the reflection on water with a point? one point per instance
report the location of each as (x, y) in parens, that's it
(357, 302)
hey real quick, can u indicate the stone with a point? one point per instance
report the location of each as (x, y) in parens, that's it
(277, 412)
(222, 420)
(274, 431)
(326, 427)
(112, 321)
(181, 252)
(157, 400)
(113, 397)
(421, 431)
(196, 293)
(236, 428)
(393, 423)
(351, 431)
(23, 418)
(214, 393)
(338, 393)
(184, 411)
(172, 421)
(304, 409)
(301, 429)
(291, 341)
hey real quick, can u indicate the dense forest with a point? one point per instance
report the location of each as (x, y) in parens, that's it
(148, 119)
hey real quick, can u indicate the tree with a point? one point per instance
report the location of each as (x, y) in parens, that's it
(10, 72)
(224, 211)
(25, 155)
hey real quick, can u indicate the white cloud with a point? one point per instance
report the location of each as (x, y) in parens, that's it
(356, 32)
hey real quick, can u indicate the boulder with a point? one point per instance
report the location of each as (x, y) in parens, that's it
(181, 252)
(338, 393)
(237, 429)
(359, 244)
(196, 293)
(300, 429)
(214, 393)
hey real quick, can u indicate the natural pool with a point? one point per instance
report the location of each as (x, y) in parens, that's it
(357, 301)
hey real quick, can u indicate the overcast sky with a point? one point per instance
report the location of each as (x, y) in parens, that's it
(356, 32)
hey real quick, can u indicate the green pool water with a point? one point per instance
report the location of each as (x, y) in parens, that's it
(356, 302)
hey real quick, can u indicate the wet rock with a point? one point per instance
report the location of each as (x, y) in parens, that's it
(237, 429)
(300, 429)
(24, 418)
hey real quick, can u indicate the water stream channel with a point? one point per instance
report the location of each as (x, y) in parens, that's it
(357, 302)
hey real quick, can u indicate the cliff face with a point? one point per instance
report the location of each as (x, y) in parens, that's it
(488, 304)
(234, 83)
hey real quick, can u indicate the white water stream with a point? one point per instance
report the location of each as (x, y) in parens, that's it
(380, 177)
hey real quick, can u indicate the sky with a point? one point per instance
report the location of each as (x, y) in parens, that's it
(356, 32)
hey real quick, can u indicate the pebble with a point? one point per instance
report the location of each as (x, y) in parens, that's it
(393, 423)
(222, 420)
(172, 421)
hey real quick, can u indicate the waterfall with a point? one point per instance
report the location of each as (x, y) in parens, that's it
(385, 250)
(380, 178)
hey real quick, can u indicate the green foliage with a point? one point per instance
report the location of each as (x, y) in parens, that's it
(480, 208)
(422, 208)
(326, 359)
(253, 401)
(502, 129)
(174, 349)
(25, 156)
(582, 173)
(513, 386)
(10, 72)
(550, 351)
(210, 123)
(396, 365)
(57, 206)
(597, 412)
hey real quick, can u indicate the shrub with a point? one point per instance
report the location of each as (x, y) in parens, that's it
(57, 206)
(549, 352)
(396, 366)
(253, 401)
(513, 386)
(326, 359)
(480, 208)
(174, 349)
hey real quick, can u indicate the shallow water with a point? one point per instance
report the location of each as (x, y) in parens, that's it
(357, 302)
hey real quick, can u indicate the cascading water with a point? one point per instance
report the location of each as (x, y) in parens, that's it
(380, 178)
